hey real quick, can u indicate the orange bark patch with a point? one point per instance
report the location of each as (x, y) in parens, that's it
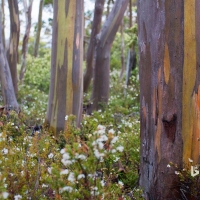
(166, 64)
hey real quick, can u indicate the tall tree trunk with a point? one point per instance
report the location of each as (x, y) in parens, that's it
(96, 26)
(12, 53)
(130, 14)
(106, 36)
(5, 77)
(122, 51)
(169, 48)
(66, 86)
(3, 23)
(39, 26)
(28, 10)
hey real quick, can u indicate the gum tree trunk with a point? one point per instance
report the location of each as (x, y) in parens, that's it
(39, 26)
(96, 26)
(5, 77)
(66, 87)
(105, 39)
(169, 49)
(12, 53)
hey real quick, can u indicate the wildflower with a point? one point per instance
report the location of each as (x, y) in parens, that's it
(66, 188)
(17, 197)
(120, 148)
(114, 140)
(176, 172)
(80, 176)
(168, 165)
(190, 160)
(98, 154)
(66, 117)
(81, 157)
(5, 151)
(100, 127)
(94, 191)
(102, 183)
(49, 170)
(5, 195)
(50, 155)
(66, 162)
(66, 156)
(71, 177)
(113, 151)
(111, 131)
(62, 151)
(120, 183)
(65, 171)
(101, 145)
(43, 185)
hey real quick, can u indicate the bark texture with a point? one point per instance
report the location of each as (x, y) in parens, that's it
(12, 53)
(96, 26)
(5, 77)
(100, 92)
(169, 44)
(39, 27)
(66, 85)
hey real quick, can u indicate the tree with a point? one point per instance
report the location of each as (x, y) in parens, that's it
(28, 10)
(169, 44)
(5, 77)
(12, 53)
(96, 26)
(66, 86)
(105, 39)
(3, 23)
(39, 26)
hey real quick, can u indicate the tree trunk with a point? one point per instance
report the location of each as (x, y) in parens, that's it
(100, 90)
(39, 26)
(3, 23)
(28, 10)
(169, 48)
(130, 14)
(12, 53)
(96, 26)
(66, 87)
(122, 51)
(5, 77)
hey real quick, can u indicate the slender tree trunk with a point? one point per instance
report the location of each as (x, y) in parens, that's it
(100, 90)
(66, 86)
(96, 26)
(169, 48)
(122, 51)
(28, 10)
(130, 14)
(5, 77)
(3, 23)
(12, 53)
(39, 26)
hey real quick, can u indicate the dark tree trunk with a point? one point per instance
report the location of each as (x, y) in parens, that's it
(105, 39)
(96, 26)
(169, 48)
(39, 27)
(5, 77)
(28, 10)
(12, 53)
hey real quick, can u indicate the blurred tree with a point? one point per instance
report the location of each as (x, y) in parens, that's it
(39, 26)
(169, 49)
(66, 87)
(3, 23)
(12, 53)
(5, 77)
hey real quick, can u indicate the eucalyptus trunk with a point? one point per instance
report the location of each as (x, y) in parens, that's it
(169, 46)
(12, 53)
(66, 86)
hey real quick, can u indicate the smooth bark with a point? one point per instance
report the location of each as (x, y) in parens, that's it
(100, 92)
(169, 46)
(12, 52)
(66, 86)
(96, 26)
(122, 51)
(39, 27)
(3, 23)
(5, 77)
(28, 10)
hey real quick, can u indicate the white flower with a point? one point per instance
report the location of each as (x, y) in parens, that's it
(43, 185)
(120, 183)
(101, 145)
(94, 191)
(62, 151)
(102, 138)
(176, 172)
(120, 148)
(190, 160)
(114, 140)
(66, 156)
(80, 176)
(111, 131)
(66, 117)
(50, 155)
(65, 171)
(81, 157)
(101, 132)
(102, 183)
(49, 170)
(5, 151)
(66, 188)
(17, 197)
(168, 165)
(71, 177)
(113, 151)
(5, 195)
(98, 154)
(100, 127)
